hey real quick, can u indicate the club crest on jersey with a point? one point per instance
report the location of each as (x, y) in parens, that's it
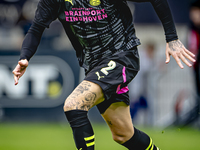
(69, 1)
(95, 2)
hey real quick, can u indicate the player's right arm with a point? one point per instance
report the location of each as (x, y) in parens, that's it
(47, 11)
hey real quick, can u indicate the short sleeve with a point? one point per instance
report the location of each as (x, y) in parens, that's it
(47, 11)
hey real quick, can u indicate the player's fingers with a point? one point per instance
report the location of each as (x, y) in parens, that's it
(16, 78)
(167, 57)
(188, 56)
(16, 73)
(189, 53)
(178, 61)
(185, 61)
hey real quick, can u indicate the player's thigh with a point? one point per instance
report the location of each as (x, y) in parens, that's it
(119, 120)
(86, 95)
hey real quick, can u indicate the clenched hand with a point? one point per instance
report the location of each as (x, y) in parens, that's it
(20, 69)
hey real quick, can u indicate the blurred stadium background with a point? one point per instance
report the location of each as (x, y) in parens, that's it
(163, 98)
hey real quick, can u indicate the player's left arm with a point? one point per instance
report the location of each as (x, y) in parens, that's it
(179, 52)
(174, 46)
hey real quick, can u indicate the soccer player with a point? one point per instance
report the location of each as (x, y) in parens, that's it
(103, 35)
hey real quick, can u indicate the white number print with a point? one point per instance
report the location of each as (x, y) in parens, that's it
(111, 65)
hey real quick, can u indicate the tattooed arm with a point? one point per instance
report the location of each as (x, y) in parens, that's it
(179, 52)
(174, 46)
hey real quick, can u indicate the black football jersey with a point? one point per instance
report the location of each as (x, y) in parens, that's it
(96, 28)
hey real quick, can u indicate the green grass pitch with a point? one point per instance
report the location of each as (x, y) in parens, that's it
(54, 136)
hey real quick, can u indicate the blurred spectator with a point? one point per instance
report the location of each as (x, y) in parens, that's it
(27, 15)
(141, 86)
(11, 31)
(194, 40)
(16, 18)
(185, 113)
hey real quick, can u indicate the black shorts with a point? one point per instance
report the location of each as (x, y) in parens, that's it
(113, 74)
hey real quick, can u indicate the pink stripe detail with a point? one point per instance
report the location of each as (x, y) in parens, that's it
(123, 90)
(118, 89)
(124, 73)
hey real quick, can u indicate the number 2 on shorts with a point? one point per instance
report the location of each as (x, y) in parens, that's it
(111, 65)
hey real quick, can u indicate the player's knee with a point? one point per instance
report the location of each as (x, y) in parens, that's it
(65, 108)
(69, 106)
(121, 134)
(120, 138)
(75, 104)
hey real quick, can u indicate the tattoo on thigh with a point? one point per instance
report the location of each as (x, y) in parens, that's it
(109, 122)
(90, 97)
(81, 89)
(86, 101)
(83, 106)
